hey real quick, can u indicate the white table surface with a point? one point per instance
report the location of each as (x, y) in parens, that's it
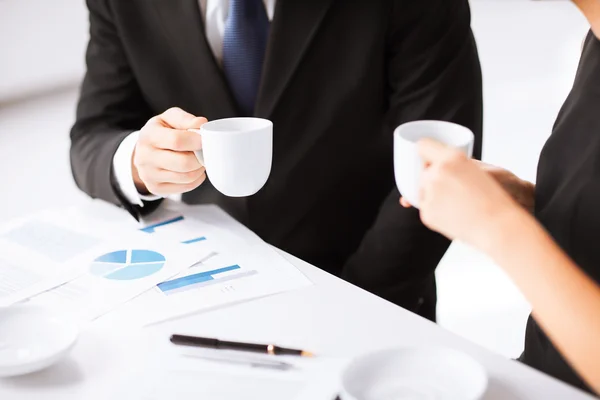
(331, 318)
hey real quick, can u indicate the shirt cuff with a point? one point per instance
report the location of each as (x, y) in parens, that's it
(123, 173)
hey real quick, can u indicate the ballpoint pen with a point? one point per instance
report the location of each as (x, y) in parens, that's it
(211, 343)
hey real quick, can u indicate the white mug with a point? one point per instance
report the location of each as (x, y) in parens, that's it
(237, 154)
(408, 165)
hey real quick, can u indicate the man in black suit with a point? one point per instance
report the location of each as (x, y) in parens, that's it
(335, 77)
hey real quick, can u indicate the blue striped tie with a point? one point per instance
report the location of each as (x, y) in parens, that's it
(244, 44)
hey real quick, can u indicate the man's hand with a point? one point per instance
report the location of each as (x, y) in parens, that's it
(163, 161)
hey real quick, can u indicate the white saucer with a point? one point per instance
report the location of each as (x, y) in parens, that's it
(434, 373)
(32, 338)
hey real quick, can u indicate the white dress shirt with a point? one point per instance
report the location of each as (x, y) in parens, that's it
(214, 13)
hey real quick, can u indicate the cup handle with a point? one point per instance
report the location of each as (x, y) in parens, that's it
(199, 154)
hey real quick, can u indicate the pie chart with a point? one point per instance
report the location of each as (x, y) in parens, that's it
(127, 265)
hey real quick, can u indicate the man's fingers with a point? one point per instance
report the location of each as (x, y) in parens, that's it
(180, 178)
(165, 189)
(169, 131)
(176, 118)
(404, 203)
(175, 161)
(164, 155)
(173, 139)
(197, 122)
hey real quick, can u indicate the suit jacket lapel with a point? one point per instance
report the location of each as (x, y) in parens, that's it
(183, 25)
(294, 25)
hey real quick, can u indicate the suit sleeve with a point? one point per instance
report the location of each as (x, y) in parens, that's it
(433, 72)
(110, 107)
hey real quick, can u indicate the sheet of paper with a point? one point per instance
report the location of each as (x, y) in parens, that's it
(232, 237)
(223, 279)
(188, 373)
(214, 215)
(40, 252)
(72, 265)
(169, 222)
(106, 217)
(52, 241)
(20, 279)
(241, 267)
(115, 275)
(193, 232)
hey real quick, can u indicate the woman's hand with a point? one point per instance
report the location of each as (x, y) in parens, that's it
(459, 199)
(521, 191)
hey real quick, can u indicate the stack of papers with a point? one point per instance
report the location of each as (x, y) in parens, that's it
(89, 261)
(64, 264)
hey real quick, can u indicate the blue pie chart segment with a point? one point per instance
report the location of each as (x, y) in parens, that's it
(126, 265)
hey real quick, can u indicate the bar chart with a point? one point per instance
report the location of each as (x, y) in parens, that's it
(205, 278)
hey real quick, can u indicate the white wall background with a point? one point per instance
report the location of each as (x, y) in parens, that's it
(41, 45)
(529, 52)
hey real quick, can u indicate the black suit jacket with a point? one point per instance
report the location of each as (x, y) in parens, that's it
(338, 77)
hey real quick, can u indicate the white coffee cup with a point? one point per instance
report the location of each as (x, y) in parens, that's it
(408, 165)
(414, 373)
(237, 154)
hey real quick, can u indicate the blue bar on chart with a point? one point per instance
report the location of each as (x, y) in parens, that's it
(195, 240)
(152, 228)
(200, 279)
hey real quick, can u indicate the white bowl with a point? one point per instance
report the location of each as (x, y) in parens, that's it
(32, 338)
(434, 373)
